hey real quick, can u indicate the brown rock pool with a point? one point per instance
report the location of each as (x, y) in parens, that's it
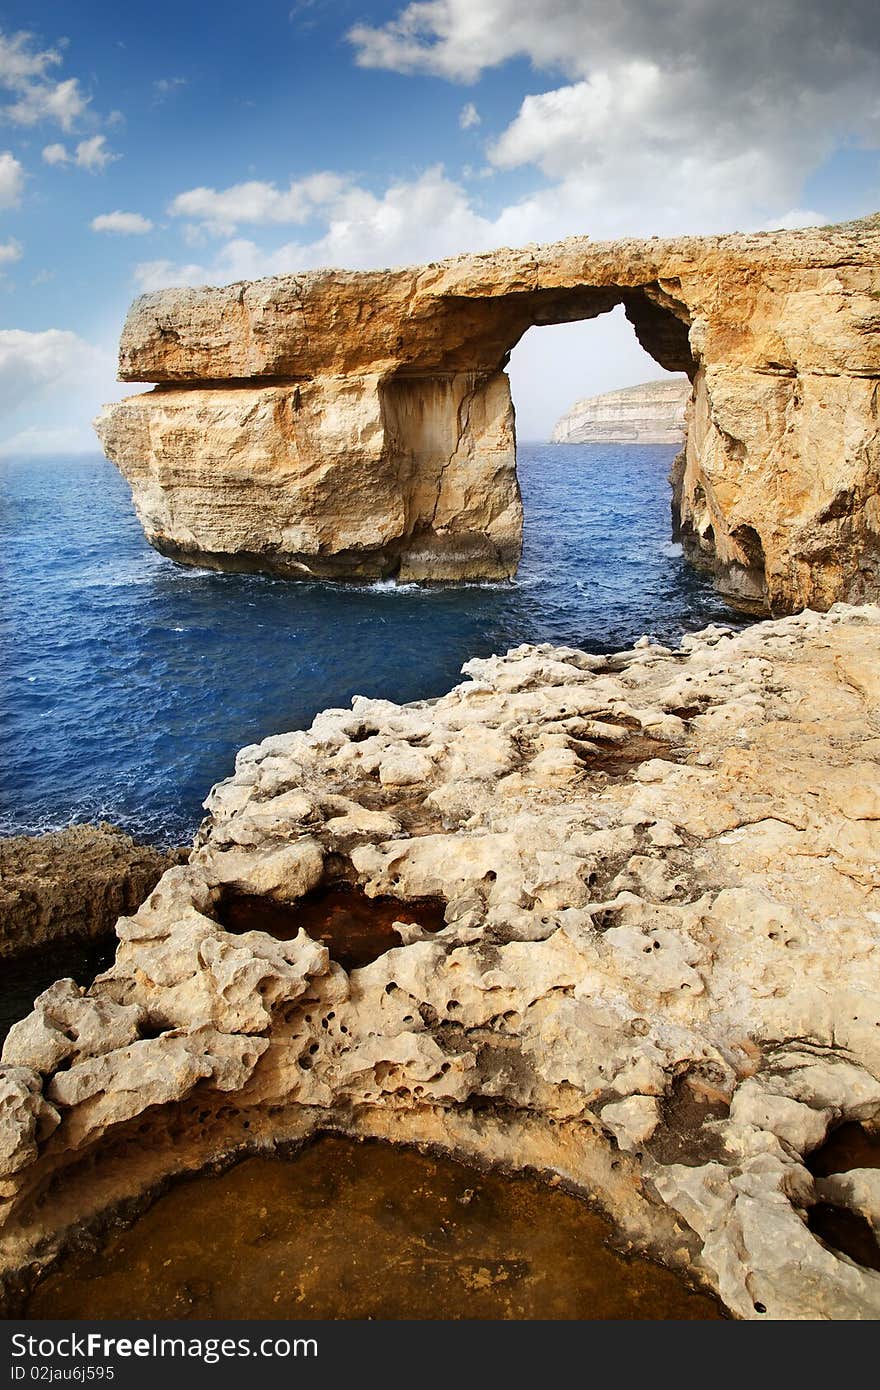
(349, 1230)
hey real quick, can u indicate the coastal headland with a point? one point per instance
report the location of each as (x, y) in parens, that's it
(359, 424)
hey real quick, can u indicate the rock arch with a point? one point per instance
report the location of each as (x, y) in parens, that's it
(346, 424)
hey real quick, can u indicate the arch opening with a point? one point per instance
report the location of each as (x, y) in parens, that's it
(659, 324)
(597, 534)
(449, 425)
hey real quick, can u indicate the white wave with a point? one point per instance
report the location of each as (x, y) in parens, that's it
(390, 586)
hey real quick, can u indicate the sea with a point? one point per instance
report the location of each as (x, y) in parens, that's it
(127, 682)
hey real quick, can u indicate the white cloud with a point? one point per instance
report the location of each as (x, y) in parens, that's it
(62, 102)
(55, 154)
(125, 223)
(10, 251)
(164, 273)
(671, 117)
(468, 116)
(413, 221)
(51, 385)
(32, 362)
(11, 180)
(795, 218)
(460, 39)
(256, 202)
(419, 220)
(20, 65)
(28, 74)
(94, 155)
(25, 71)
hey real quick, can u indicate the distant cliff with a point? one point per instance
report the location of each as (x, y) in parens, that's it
(652, 413)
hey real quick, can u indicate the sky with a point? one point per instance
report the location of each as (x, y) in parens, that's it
(154, 145)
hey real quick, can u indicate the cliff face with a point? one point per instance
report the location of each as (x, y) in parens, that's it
(359, 424)
(651, 413)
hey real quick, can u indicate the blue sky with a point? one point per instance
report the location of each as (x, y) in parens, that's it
(203, 142)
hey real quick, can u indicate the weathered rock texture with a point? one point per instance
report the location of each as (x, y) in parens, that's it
(72, 883)
(652, 413)
(658, 976)
(358, 424)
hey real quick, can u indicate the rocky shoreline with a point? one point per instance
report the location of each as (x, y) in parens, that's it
(655, 979)
(73, 884)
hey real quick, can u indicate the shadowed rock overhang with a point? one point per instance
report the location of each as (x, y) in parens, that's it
(347, 425)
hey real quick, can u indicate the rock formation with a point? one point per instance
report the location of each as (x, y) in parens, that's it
(358, 424)
(652, 413)
(72, 883)
(656, 980)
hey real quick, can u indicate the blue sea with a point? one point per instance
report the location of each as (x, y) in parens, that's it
(128, 682)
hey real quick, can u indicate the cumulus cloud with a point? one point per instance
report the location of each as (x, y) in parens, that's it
(670, 116)
(62, 102)
(468, 116)
(221, 211)
(123, 223)
(55, 154)
(26, 71)
(20, 65)
(93, 154)
(9, 251)
(794, 219)
(11, 180)
(460, 39)
(420, 219)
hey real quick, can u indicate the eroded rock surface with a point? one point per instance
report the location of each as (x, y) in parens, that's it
(657, 978)
(72, 883)
(358, 424)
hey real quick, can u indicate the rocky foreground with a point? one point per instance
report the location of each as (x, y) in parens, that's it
(657, 980)
(652, 413)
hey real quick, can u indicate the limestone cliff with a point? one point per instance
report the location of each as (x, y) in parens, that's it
(651, 413)
(352, 424)
(654, 975)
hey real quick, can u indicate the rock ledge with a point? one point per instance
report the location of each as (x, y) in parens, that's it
(657, 977)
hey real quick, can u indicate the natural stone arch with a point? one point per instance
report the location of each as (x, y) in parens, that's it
(358, 424)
